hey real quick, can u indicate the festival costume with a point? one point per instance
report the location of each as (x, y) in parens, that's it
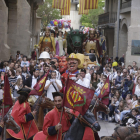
(23, 117)
(50, 121)
(94, 45)
(47, 42)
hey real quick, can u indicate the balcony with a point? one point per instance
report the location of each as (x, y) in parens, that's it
(107, 18)
(125, 7)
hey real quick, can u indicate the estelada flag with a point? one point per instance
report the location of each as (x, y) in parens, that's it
(81, 8)
(77, 97)
(7, 99)
(91, 4)
(39, 86)
(59, 4)
(66, 11)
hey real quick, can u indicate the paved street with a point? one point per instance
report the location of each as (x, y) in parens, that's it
(106, 128)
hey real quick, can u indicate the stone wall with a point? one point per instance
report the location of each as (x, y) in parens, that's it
(133, 32)
(4, 48)
(18, 26)
(109, 34)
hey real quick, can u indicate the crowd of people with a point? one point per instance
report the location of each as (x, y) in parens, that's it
(124, 93)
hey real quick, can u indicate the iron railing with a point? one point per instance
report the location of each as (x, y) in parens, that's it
(110, 17)
(126, 5)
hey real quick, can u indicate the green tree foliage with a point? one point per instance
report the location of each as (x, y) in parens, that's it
(47, 13)
(91, 20)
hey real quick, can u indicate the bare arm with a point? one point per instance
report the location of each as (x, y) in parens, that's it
(59, 87)
(47, 86)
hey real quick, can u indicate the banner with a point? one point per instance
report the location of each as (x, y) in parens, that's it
(91, 4)
(105, 89)
(66, 11)
(39, 86)
(59, 4)
(77, 97)
(81, 8)
(7, 99)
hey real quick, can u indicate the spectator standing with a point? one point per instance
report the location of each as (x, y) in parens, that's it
(24, 62)
(137, 88)
(88, 75)
(18, 86)
(53, 85)
(83, 81)
(12, 78)
(94, 81)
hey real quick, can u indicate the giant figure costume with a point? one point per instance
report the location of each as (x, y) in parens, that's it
(47, 41)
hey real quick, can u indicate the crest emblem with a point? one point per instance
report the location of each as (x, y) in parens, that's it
(75, 97)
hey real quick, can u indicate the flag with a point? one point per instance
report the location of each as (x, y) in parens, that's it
(81, 8)
(59, 4)
(104, 94)
(91, 4)
(105, 89)
(39, 86)
(7, 99)
(66, 11)
(77, 97)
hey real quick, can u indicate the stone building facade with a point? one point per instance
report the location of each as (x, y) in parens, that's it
(129, 28)
(19, 26)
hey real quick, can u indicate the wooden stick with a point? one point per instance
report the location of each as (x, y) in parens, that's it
(60, 121)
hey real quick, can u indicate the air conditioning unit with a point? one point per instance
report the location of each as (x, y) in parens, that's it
(75, 1)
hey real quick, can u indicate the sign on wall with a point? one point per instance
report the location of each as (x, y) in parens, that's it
(135, 47)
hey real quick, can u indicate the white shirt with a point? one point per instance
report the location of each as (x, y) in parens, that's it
(19, 76)
(88, 76)
(34, 81)
(137, 90)
(51, 88)
(85, 82)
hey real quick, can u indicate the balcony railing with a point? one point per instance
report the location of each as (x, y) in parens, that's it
(126, 5)
(107, 18)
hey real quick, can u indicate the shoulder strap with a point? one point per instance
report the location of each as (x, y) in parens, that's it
(54, 87)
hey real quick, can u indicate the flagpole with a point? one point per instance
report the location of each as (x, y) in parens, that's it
(63, 104)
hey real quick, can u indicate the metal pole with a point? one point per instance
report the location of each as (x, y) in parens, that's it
(118, 19)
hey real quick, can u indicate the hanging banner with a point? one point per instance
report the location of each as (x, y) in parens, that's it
(91, 4)
(81, 8)
(66, 11)
(59, 4)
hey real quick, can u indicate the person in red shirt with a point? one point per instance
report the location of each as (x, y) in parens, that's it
(23, 116)
(52, 124)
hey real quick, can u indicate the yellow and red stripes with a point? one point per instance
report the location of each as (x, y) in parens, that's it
(66, 11)
(81, 8)
(91, 4)
(59, 4)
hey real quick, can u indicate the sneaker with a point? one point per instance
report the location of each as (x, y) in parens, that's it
(110, 119)
(100, 117)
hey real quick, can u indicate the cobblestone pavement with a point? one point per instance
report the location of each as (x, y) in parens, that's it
(107, 128)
